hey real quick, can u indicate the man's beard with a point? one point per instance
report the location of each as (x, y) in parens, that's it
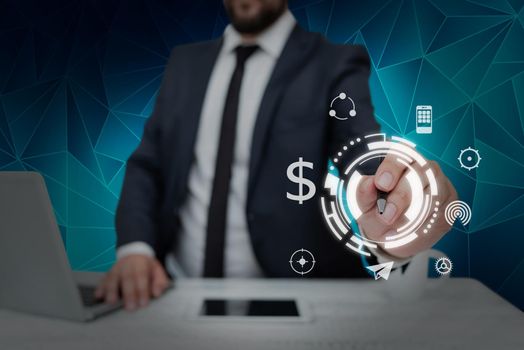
(256, 25)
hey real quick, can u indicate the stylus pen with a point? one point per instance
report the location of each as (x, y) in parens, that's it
(381, 197)
(381, 201)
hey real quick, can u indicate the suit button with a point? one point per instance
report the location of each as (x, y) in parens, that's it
(250, 217)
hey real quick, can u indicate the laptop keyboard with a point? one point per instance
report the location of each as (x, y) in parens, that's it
(87, 294)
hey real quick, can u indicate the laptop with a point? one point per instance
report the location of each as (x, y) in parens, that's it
(35, 276)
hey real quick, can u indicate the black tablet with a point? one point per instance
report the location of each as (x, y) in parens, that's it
(250, 308)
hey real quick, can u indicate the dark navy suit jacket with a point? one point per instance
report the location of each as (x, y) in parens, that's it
(292, 122)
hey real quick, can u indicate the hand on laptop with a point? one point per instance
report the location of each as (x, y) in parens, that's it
(138, 277)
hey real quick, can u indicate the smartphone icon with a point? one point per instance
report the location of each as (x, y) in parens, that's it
(424, 119)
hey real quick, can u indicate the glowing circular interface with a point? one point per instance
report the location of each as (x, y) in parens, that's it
(361, 156)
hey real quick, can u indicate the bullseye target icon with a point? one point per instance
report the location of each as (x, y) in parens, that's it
(339, 203)
(302, 261)
(458, 210)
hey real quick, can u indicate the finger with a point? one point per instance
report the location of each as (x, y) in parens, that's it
(446, 190)
(111, 287)
(129, 290)
(447, 194)
(370, 227)
(451, 192)
(159, 279)
(100, 289)
(142, 285)
(398, 201)
(389, 173)
(366, 193)
(374, 229)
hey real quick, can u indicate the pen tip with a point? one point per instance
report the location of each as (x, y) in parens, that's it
(381, 205)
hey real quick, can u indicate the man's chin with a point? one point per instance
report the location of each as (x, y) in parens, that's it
(255, 23)
(249, 26)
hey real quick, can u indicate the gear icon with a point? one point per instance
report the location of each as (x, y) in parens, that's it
(469, 158)
(443, 266)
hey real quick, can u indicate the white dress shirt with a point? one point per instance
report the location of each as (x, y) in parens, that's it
(239, 259)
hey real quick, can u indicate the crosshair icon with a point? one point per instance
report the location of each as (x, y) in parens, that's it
(302, 261)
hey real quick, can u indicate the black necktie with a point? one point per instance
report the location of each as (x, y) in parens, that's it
(217, 215)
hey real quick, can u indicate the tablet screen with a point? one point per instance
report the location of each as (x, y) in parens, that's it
(249, 308)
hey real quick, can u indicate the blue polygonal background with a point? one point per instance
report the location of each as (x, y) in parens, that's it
(78, 80)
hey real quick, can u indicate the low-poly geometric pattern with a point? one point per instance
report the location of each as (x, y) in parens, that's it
(78, 79)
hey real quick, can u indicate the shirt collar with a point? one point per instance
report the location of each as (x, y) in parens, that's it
(271, 40)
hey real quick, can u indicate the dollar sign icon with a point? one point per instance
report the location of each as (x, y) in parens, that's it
(301, 197)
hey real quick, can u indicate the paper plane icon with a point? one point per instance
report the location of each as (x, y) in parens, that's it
(381, 270)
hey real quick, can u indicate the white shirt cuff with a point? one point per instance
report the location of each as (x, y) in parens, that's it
(140, 248)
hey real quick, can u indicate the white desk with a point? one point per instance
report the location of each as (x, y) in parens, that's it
(458, 314)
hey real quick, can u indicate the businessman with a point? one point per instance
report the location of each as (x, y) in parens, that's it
(206, 188)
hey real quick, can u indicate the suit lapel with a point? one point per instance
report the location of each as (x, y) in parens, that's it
(186, 136)
(289, 63)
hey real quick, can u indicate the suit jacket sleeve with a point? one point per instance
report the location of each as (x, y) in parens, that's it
(352, 77)
(137, 215)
